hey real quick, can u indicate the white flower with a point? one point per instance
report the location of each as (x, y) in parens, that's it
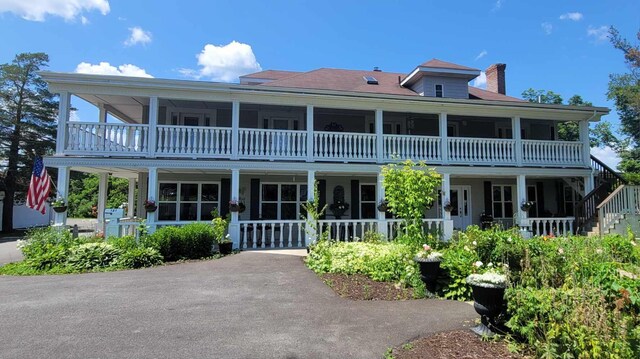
(467, 248)
(490, 265)
(599, 250)
(509, 239)
(560, 250)
(490, 279)
(478, 264)
(474, 243)
(505, 265)
(227, 236)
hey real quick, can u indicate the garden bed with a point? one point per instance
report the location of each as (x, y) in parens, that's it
(361, 287)
(460, 344)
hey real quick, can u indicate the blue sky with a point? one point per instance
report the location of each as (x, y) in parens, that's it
(555, 45)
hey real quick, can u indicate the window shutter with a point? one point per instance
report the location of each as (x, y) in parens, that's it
(540, 199)
(322, 193)
(225, 196)
(355, 199)
(488, 200)
(255, 198)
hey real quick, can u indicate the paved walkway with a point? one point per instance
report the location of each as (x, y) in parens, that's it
(250, 305)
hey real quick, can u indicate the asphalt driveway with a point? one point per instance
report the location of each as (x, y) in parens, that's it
(250, 305)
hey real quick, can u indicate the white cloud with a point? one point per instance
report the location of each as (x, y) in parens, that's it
(138, 36)
(482, 54)
(497, 5)
(37, 10)
(547, 28)
(606, 155)
(224, 63)
(105, 68)
(84, 20)
(480, 81)
(599, 34)
(573, 16)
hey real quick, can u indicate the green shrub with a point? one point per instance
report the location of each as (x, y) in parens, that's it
(380, 261)
(39, 241)
(92, 255)
(124, 243)
(138, 258)
(191, 241)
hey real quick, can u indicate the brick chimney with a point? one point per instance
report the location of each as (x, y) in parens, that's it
(495, 78)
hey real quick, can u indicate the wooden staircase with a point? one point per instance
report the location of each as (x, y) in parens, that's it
(606, 182)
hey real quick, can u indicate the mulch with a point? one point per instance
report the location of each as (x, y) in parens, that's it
(360, 287)
(459, 344)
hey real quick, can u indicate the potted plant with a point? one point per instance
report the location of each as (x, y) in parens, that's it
(488, 295)
(383, 206)
(150, 206)
(448, 207)
(59, 205)
(526, 205)
(220, 235)
(429, 262)
(338, 209)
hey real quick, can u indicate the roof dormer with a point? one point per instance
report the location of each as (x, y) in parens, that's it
(437, 78)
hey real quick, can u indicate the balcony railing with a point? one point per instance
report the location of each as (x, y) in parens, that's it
(87, 138)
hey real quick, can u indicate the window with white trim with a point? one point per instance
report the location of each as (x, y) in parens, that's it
(187, 201)
(368, 201)
(282, 200)
(439, 90)
(502, 201)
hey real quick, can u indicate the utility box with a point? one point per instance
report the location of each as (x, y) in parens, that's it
(112, 222)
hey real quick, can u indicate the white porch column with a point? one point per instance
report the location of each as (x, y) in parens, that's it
(444, 144)
(309, 133)
(234, 226)
(143, 194)
(63, 192)
(589, 184)
(63, 117)
(153, 125)
(102, 114)
(379, 122)
(131, 197)
(447, 222)
(235, 129)
(153, 190)
(521, 197)
(310, 232)
(586, 145)
(517, 137)
(381, 216)
(103, 185)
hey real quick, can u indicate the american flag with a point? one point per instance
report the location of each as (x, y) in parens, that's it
(38, 187)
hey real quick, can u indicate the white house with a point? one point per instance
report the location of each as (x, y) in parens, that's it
(193, 146)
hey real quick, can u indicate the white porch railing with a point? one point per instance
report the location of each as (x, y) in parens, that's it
(429, 225)
(552, 153)
(552, 226)
(346, 230)
(344, 146)
(264, 143)
(106, 138)
(193, 141)
(622, 201)
(417, 148)
(272, 234)
(481, 150)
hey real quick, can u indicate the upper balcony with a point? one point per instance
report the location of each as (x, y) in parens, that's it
(166, 128)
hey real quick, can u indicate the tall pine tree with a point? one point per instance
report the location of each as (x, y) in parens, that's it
(27, 124)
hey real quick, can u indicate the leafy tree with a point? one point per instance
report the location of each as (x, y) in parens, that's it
(27, 123)
(83, 194)
(410, 189)
(624, 89)
(567, 131)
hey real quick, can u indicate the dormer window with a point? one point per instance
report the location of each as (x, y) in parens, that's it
(439, 90)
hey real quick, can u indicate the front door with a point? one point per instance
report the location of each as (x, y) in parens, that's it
(461, 202)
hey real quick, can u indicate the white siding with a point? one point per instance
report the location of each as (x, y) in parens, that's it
(453, 87)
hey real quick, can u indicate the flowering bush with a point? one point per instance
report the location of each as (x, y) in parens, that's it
(427, 254)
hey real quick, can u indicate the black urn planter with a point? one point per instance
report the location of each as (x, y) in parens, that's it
(429, 270)
(60, 209)
(225, 248)
(489, 302)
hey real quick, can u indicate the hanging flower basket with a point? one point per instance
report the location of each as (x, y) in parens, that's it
(235, 206)
(383, 206)
(59, 209)
(525, 206)
(448, 207)
(150, 206)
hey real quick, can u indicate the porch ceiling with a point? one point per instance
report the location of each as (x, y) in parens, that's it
(125, 108)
